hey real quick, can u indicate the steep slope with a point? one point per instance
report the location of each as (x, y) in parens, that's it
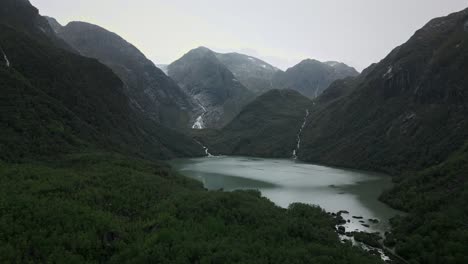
(312, 77)
(255, 74)
(407, 115)
(267, 127)
(66, 197)
(220, 95)
(56, 101)
(148, 88)
(407, 112)
(435, 230)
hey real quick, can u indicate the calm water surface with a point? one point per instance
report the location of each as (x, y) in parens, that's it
(287, 181)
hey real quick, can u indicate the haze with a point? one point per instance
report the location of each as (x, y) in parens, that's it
(283, 33)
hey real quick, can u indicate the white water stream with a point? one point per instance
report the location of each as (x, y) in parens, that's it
(299, 134)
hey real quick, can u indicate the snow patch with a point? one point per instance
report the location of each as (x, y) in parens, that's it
(299, 134)
(264, 66)
(252, 59)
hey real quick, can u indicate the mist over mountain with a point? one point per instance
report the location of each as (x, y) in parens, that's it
(149, 89)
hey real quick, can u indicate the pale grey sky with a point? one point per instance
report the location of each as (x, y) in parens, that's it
(357, 32)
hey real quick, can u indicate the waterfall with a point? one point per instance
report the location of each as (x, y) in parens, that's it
(299, 134)
(208, 154)
(199, 123)
(7, 62)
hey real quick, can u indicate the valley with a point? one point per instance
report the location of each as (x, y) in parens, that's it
(286, 181)
(223, 157)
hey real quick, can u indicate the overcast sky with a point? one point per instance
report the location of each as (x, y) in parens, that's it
(282, 32)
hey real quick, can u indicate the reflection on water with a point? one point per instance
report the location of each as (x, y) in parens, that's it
(287, 181)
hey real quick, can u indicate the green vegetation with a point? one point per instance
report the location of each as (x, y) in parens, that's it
(436, 229)
(54, 100)
(98, 207)
(267, 127)
(78, 186)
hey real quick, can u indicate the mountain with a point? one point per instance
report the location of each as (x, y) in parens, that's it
(149, 89)
(56, 102)
(255, 74)
(267, 127)
(220, 95)
(163, 67)
(80, 183)
(312, 77)
(406, 112)
(407, 115)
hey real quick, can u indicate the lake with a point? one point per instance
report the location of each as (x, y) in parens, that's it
(285, 181)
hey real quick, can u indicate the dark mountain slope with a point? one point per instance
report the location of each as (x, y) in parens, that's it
(407, 115)
(435, 231)
(201, 75)
(148, 88)
(407, 112)
(267, 127)
(253, 73)
(81, 99)
(312, 77)
(91, 206)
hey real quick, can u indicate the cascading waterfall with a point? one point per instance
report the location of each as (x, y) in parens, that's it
(199, 123)
(7, 62)
(298, 140)
(208, 154)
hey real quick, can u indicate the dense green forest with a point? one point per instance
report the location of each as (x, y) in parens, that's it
(99, 207)
(436, 229)
(80, 182)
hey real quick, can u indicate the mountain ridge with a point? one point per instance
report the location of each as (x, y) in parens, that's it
(150, 90)
(221, 96)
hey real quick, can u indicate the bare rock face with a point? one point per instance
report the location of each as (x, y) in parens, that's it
(312, 77)
(255, 74)
(210, 83)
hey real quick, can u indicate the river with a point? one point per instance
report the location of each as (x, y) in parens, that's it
(285, 181)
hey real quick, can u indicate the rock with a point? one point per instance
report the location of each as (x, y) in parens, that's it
(370, 239)
(374, 221)
(340, 220)
(343, 212)
(365, 225)
(341, 230)
(374, 252)
(362, 221)
(357, 217)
